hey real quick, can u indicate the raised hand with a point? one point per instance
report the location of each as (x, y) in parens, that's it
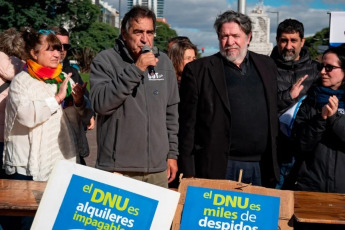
(78, 93)
(60, 96)
(297, 87)
(331, 108)
(145, 60)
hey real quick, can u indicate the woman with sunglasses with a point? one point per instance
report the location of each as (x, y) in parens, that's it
(319, 129)
(37, 133)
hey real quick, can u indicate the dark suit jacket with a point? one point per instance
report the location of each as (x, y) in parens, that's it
(204, 136)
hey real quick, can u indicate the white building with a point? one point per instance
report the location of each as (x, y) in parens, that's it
(156, 6)
(109, 15)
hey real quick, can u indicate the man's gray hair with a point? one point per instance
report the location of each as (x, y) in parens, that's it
(232, 16)
(134, 14)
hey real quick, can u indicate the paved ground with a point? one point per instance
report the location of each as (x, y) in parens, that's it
(91, 137)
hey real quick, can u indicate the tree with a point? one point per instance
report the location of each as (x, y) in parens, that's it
(163, 34)
(321, 38)
(19, 13)
(74, 14)
(84, 56)
(78, 15)
(98, 36)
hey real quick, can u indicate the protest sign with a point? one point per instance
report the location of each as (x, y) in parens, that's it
(337, 28)
(207, 208)
(80, 197)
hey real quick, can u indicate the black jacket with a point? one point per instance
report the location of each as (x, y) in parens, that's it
(289, 72)
(204, 135)
(322, 144)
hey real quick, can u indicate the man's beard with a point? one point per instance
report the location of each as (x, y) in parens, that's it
(289, 57)
(241, 55)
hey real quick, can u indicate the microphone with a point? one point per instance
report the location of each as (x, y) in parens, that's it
(150, 68)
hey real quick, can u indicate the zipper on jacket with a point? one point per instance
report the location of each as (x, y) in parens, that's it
(148, 127)
(115, 141)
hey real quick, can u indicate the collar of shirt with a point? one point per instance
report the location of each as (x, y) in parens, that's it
(243, 67)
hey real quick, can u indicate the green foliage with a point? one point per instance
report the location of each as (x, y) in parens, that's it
(320, 38)
(19, 13)
(163, 34)
(77, 15)
(98, 36)
(80, 16)
(86, 78)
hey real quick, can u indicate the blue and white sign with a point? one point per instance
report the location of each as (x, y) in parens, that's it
(103, 206)
(337, 28)
(80, 197)
(207, 208)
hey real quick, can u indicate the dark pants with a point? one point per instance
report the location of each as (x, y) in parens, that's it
(251, 172)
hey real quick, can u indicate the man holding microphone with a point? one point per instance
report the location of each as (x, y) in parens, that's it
(137, 120)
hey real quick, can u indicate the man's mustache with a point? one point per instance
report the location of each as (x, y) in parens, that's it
(289, 50)
(231, 47)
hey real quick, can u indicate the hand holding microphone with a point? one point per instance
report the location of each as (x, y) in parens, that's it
(147, 60)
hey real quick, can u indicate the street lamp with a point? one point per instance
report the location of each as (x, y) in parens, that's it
(275, 12)
(242, 6)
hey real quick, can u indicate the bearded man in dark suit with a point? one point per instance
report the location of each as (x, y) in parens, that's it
(228, 110)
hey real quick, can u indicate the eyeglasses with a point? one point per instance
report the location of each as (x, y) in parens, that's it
(46, 32)
(66, 46)
(329, 68)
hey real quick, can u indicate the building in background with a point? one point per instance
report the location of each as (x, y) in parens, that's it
(156, 6)
(109, 15)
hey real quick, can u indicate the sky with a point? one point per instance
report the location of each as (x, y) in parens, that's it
(195, 18)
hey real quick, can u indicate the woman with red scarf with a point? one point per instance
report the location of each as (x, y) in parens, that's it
(37, 133)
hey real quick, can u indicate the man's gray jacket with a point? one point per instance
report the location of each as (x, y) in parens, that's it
(137, 114)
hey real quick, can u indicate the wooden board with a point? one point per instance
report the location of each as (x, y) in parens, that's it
(316, 207)
(20, 197)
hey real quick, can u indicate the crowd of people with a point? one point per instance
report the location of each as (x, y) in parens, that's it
(279, 119)
(43, 110)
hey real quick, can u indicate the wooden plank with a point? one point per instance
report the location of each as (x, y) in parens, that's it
(316, 207)
(19, 197)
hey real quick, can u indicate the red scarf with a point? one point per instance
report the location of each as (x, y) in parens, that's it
(46, 74)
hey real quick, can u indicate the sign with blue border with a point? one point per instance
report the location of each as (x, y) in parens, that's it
(337, 30)
(207, 208)
(89, 204)
(79, 198)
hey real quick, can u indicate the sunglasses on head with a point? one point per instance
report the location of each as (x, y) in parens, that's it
(46, 32)
(329, 68)
(66, 46)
